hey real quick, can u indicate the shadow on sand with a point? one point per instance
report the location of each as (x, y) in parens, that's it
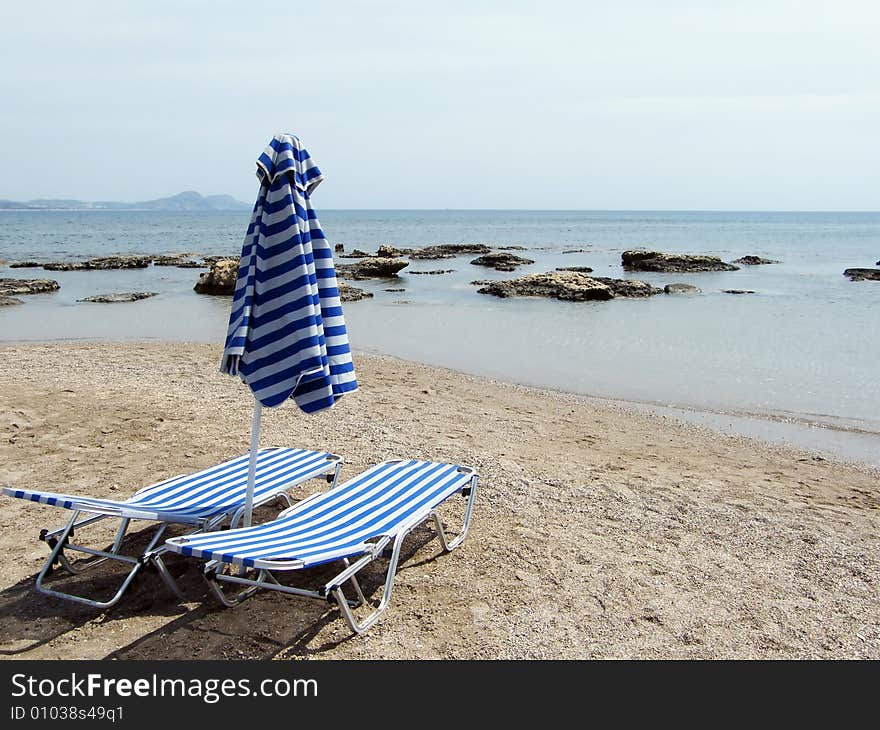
(266, 626)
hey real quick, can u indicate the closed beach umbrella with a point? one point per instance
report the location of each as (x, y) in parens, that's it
(286, 330)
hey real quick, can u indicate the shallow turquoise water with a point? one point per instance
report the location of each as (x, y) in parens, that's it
(804, 348)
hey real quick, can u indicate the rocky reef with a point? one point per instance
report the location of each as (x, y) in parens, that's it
(672, 263)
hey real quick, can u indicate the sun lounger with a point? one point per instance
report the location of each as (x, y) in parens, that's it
(202, 501)
(354, 524)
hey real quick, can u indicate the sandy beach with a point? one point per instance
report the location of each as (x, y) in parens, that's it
(598, 532)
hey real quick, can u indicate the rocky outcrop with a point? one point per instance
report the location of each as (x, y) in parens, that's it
(448, 250)
(132, 296)
(390, 252)
(26, 265)
(501, 261)
(9, 301)
(680, 289)
(106, 262)
(737, 291)
(575, 250)
(863, 274)
(433, 271)
(355, 254)
(512, 248)
(754, 261)
(569, 286)
(580, 269)
(629, 288)
(371, 268)
(12, 287)
(339, 248)
(672, 263)
(219, 279)
(180, 260)
(348, 293)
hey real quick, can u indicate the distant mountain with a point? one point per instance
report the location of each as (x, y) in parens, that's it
(187, 200)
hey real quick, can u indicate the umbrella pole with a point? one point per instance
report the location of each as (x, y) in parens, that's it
(252, 464)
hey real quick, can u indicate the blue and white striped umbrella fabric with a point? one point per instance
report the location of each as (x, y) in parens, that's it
(286, 331)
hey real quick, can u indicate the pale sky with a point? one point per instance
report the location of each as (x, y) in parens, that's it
(630, 104)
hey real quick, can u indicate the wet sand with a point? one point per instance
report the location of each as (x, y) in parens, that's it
(598, 531)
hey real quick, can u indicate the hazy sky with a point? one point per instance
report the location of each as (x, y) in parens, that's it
(713, 104)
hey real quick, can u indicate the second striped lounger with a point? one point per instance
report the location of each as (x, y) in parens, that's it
(203, 501)
(354, 524)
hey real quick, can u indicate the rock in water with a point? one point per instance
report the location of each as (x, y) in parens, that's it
(568, 286)
(9, 301)
(672, 263)
(26, 265)
(629, 288)
(501, 261)
(754, 261)
(180, 260)
(448, 250)
(219, 279)
(371, 268)
(339, 248)
(107, 262)
(863, 274)
(9, 287)
(355, 254)
(348, 293)
(680, 289)
(581, 269)
(390, 252)
(132, 296)
(433, 271)
(737, 291)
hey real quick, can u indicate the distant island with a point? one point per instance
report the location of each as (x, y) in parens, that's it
(187, 200)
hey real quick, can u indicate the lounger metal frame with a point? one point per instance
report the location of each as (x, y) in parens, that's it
(332, 591)
(59, 540)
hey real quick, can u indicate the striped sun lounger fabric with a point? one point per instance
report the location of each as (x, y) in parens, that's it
(192, 498)
(338, 523)
(286, 331)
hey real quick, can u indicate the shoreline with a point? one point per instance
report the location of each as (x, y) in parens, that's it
(700, 419)
(850, 445)
(598, 531)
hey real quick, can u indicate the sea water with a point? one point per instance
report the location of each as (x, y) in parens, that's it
(798, 360)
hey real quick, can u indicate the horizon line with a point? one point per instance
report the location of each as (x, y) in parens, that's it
(458, 210)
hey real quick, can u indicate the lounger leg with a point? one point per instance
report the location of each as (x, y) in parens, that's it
(229, 600)
(56, 548)
(137, 564)
(336, 474)
(450, 545)
(345, 607)
(156, 559)
(51, 538)
(355, 583)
